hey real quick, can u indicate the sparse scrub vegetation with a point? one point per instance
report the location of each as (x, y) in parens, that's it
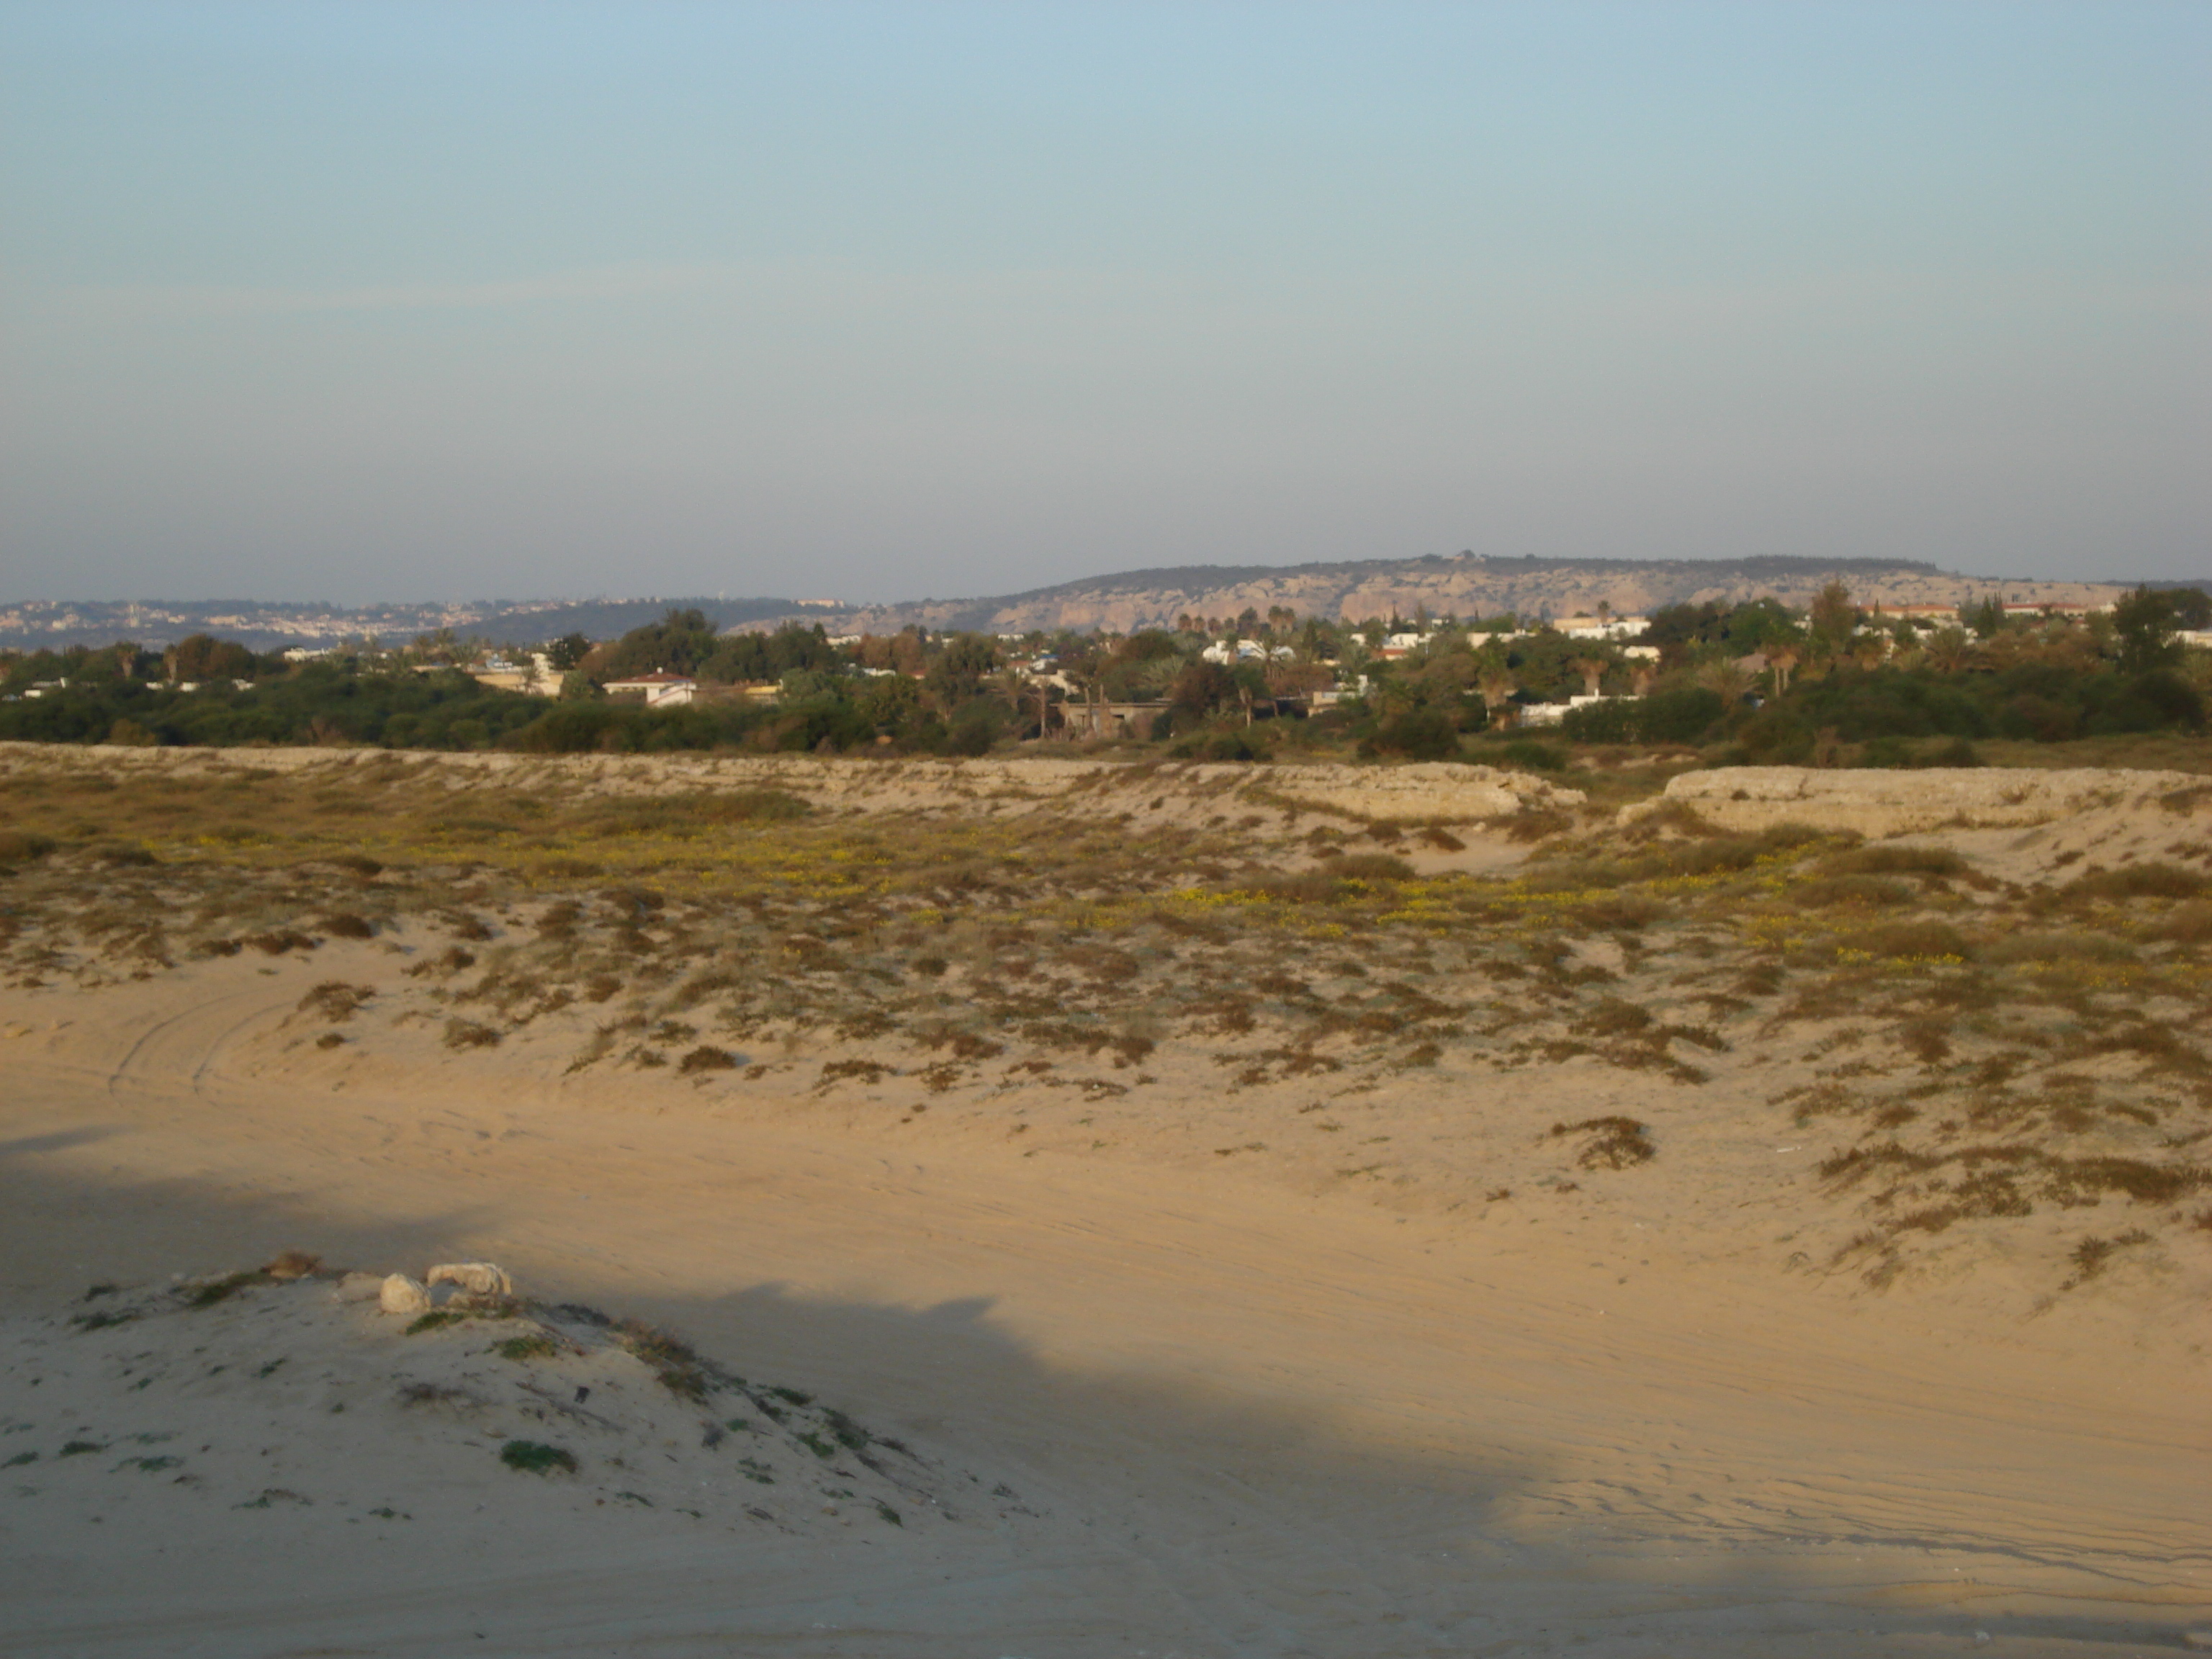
(1036, 961)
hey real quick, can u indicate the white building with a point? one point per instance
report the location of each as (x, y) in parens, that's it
(1244, 650)
(659, 689)
(1550, 713)
(1603, 628)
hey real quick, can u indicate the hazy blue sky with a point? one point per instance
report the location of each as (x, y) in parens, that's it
(444, 299)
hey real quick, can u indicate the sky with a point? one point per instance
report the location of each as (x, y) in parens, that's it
(884, 302)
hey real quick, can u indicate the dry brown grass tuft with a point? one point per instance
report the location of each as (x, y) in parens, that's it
(1614, 1018)
(452, 960)
(336, 1000)
(2092, 1255)
(1531, 823)
(1613, 1143)
(1858, 892)
(1894, 860)
(1926, 941)
(2186, 924)
(2059, 945)
(2169, 881)
(467, 1033)
(21, 847)
(1670, 817)
(1370, 866)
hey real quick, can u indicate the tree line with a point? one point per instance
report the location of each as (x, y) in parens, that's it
(1759, 679)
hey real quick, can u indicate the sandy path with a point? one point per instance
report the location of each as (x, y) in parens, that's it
(1252, 1423)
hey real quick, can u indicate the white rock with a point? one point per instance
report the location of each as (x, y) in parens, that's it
(359, 1287)
(401, 1295)
(2197, 1641)
(483, 1277)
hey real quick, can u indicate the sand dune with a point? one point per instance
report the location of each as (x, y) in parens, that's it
(1152, 1397)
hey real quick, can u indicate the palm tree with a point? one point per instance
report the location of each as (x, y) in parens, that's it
(1592, 669)
(1782, 659)
(1498, 686)
(1641, 677)
(1949, 650)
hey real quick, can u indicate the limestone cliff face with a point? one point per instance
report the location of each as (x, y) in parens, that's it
(1465, 587)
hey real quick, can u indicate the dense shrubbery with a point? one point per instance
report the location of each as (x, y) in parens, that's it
(1680, 714)
(317, 703)
(2037, 702)
(686, 642)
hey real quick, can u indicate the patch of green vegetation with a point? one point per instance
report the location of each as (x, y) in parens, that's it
(101, 1319)
(673, 1363)
(536, 1457)
(222, 1290)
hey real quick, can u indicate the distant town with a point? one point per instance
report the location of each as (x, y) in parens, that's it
(1843, 673)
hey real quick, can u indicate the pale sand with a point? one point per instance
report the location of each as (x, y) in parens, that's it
(1234, 1410)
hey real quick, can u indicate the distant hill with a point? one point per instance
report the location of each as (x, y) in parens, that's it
(156, 624)
(1352, 589)
(1466, 585)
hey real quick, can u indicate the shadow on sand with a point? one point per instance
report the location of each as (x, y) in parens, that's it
(1167, 1514)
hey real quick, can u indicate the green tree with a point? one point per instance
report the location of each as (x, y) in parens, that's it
(2142, 632)
(2193, 607)
(955, 677)
(679, 643)
(203, 657)
(569, 651)
(1833, 616)
(1201, 688)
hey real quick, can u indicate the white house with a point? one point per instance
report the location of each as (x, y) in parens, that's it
(1244, 650)
(659, 689)
(1550, 713)
(537, 676)
(1603, 628)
